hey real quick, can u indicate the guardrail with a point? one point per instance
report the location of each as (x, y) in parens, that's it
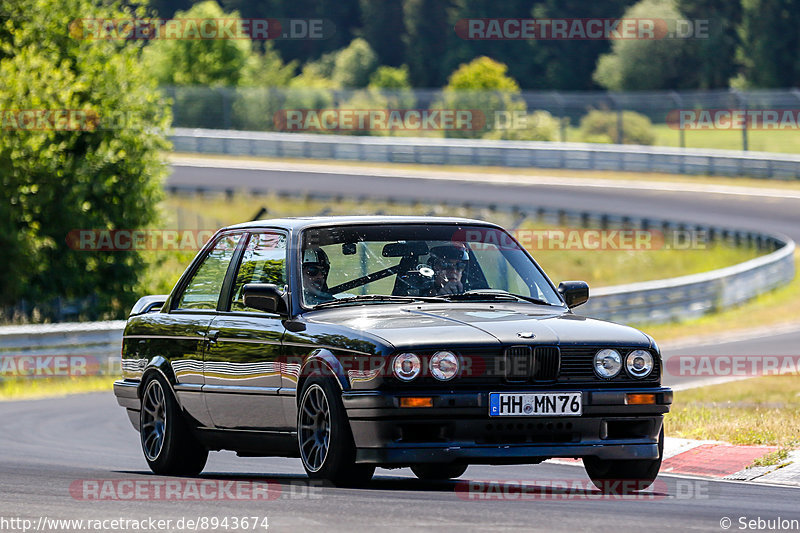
(574, 156)
(99, 340)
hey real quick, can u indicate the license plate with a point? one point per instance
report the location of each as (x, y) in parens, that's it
(535, 404)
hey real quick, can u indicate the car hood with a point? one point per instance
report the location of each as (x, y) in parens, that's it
(478, 325)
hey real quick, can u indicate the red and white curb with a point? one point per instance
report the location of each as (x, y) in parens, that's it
(722, 461)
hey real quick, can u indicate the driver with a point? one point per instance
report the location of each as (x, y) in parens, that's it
(448, 263)
(315, 276)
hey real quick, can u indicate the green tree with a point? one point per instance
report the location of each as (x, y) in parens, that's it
(522, 64)
(262, 91)
(717, 51)
(383, 28)
(342, 18)
(771, 43)
(568, 64)
(428, 33)
(649, 64)
(203, 62)
(103, 171)
(354, 65)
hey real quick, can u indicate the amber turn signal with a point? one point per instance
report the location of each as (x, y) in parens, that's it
(425, 401)
(640, 399)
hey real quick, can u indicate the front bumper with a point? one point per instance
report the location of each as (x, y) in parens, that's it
(458, 428)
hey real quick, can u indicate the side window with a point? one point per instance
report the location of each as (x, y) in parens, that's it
(203, 289)
(263, 261)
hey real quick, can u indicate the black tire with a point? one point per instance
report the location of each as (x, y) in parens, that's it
(435, 471)
(621, 476)
(327, 449)
(167, 443)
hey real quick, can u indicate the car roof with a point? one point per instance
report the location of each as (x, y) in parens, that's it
(300, 223)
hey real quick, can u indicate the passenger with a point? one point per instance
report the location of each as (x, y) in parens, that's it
(315, 276)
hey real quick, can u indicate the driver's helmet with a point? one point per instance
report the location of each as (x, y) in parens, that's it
(316, 256)
(440, 256)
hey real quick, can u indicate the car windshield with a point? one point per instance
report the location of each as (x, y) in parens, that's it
(403, 262)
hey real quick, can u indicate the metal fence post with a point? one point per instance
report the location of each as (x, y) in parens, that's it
(681, 132)
(743, 102)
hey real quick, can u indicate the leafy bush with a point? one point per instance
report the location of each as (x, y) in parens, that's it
(481, 85)
(539, 126)
(394, 86)
(354, 65)
(104, 174)
(601, 127)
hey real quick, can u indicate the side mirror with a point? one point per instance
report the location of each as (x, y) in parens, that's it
(264, 297)
(574, 293)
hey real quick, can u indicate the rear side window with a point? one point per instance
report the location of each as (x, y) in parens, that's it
(202, 291)
(263, 261)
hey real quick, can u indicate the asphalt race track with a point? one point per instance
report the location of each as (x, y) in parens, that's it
(49, 447)
(735, 211)
(54, 449)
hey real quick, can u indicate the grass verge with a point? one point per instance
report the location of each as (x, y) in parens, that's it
(30, 389)
(763, 410)
(775, 458)
(781, 141)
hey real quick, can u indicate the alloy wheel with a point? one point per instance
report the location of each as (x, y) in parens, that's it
(315, 428)
(154, 420)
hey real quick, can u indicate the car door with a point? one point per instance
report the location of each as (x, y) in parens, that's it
(186, 326)
(242, 363)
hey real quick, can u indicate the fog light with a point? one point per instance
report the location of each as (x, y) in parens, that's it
(640, 399)
(424, 401)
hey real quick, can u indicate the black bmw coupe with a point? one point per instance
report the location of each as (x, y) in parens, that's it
(357, 342)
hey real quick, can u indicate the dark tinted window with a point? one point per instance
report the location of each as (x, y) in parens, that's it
(203, 289)
(263, 261)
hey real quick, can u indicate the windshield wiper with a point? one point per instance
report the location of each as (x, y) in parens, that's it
(495, 294)
(379, 298)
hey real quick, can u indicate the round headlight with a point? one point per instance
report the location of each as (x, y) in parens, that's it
(639, 363)
(444, 365)
(407, 366)
(607, 363)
